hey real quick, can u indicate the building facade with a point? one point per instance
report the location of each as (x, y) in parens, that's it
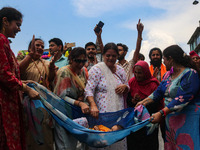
(194, 41)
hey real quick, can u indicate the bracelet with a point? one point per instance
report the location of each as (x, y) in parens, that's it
(24, 86)
(163, 113)
(78, 103)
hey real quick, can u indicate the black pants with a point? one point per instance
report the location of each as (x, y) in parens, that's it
(140, 141)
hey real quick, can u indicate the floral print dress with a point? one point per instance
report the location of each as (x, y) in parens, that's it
(96, 87)
(182, 97)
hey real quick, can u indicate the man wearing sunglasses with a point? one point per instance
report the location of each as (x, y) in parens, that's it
(56, 46)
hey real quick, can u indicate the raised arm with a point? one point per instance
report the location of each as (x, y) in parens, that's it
(52, 68)
(28, 59)
(99, 39)
(140, 28)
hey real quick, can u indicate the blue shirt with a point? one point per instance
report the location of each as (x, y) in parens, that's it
(63, 61)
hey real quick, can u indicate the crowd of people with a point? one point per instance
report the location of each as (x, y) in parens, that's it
(169, 90)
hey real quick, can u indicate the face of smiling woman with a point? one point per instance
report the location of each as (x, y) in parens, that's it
(110, 58)
(11, 28)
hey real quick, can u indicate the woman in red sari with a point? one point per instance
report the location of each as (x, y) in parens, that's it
(11, 124)
(141, 86)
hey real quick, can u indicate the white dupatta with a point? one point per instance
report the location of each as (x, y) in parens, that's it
(114, 100)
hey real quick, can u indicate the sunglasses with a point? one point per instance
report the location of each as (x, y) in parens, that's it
(80, 60)
(91, 48)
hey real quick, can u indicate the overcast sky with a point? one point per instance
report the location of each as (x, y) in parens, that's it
(165, 22)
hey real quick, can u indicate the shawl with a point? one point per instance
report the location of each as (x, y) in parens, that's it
(67, 83)
(76, 78)
(162, 70)
(146, 87)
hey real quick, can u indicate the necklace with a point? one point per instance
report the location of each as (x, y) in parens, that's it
(42, 81)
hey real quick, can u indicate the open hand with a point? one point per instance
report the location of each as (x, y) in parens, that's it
(32, 50)
(155, 73)
(121, 89)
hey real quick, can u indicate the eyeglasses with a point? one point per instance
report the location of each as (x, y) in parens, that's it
(80, 60)
(91, 48)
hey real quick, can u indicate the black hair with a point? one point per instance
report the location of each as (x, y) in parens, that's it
(10, 13)
(36, 39)
(110, 46)
(58, 42)
(76, 52)
(89, 44)
(154, 49)
(179, 56)
(140, 56)
(125, 48)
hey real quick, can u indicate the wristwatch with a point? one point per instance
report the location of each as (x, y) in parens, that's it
(162, 113)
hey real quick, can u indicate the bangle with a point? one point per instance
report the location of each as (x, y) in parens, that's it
(78, 103)
(24, 86)
(163, 113)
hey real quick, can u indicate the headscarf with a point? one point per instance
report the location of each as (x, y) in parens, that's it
(193, 53)
(146, 87)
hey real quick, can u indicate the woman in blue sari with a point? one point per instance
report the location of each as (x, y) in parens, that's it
(180, 88)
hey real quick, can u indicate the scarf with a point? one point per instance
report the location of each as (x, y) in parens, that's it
(162, 70)
(76, 78)
(111, 85)
(146, 87)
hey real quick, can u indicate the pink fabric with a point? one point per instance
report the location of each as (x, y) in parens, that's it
(142, 116)
(146, 87)
(193, 53)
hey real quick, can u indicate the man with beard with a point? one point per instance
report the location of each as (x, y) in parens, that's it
(157, 69)
(128, 66)
(91, 51)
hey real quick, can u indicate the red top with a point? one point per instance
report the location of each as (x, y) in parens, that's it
(146, 87)
(11, 129)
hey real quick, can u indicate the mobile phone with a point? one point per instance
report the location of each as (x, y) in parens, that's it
(70, 44)
(99, 25)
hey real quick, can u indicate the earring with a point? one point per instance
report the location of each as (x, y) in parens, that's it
(3, 30)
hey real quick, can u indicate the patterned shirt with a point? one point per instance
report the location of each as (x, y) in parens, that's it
(128, 67)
